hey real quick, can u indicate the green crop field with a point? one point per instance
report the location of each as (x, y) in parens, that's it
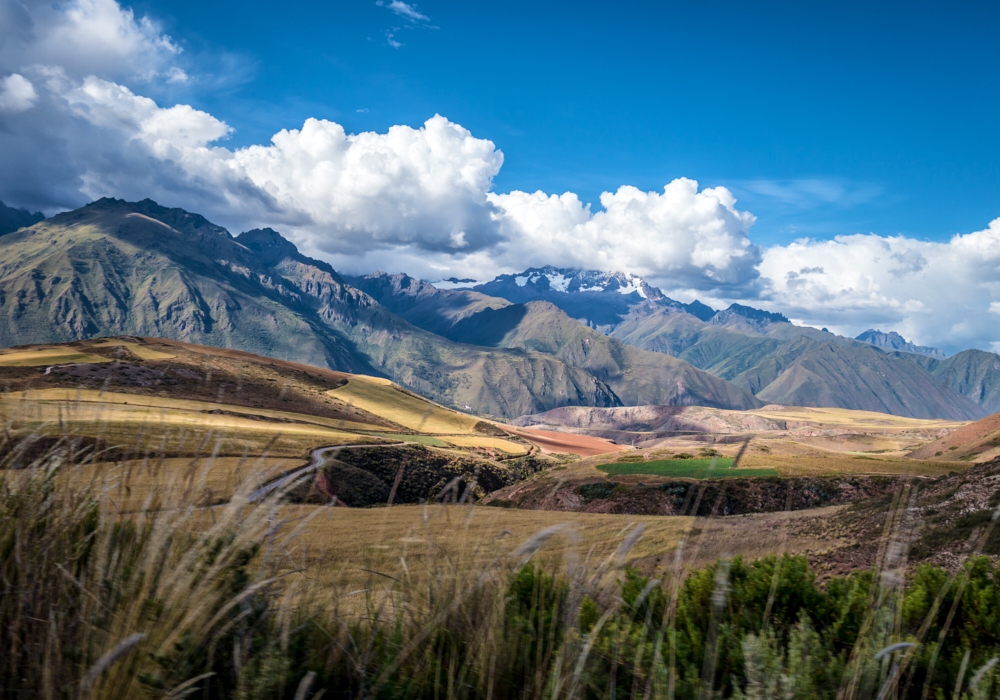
(685, 468)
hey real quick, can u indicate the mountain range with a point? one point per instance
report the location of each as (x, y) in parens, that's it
(518, 345)
(115, 267)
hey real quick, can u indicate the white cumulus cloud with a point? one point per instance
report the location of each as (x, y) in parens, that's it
(422, 187)
(935, 293)
(83, 37)
(681, 235)
(407, 10)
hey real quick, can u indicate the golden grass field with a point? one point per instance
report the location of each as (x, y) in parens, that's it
(420, 541)
(40, 357)
(385, 399)
(491, 443)
(842, 418)
(175, 482)
(175, 425)
(820, 464)
(366, 547)
(90, 405)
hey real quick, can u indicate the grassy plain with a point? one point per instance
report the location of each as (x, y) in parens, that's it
(178, 482)
(422, 542)
(684, 468)
(830, 463)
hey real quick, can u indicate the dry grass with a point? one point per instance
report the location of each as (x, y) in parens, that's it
(383, 398)
(357, 546)
(141, 351)
(490, 443)
(175, 426)
(861, 421)
(90, 404)
(176, 482)
(40, 357)
(819, 463)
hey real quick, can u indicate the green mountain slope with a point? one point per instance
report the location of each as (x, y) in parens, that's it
(111, 268)
(114, 268)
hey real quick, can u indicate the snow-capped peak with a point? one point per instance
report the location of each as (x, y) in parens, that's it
(568, 280)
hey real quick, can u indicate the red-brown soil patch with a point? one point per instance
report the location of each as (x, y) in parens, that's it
(566, 443)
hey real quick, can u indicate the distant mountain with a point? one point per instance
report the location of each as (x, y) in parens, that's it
(115, 267)
(636, 377)
(597, 299)
(829, 374)
(894, 341)
(742, 317)
(783, 363)
(972, 373)
(760, 352)
(12, 219)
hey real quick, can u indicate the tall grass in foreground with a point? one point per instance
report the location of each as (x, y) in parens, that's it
(220, 603)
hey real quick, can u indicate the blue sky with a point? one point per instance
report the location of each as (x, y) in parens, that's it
(834, 162)
(822, 118)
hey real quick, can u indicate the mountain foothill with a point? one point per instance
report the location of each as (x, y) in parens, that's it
(517, 345)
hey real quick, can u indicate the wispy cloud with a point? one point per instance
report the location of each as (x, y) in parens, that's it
(807, 193)
(406, 10)
(390, 39)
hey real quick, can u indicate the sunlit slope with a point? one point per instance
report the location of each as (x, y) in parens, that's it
(52, 355)
(123, 423)
(112, 268)
(975, 442)
(124, 389)
(383, 398)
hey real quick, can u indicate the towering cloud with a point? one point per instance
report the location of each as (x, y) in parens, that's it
(690, 238)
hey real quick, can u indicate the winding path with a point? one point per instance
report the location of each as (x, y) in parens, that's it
(317, 460)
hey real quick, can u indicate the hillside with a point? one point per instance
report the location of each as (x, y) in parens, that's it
(760, 352)
(827, 374)
(894, 341)
(115, 267)
(976, 442)
(972, 373)
(637, 377)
